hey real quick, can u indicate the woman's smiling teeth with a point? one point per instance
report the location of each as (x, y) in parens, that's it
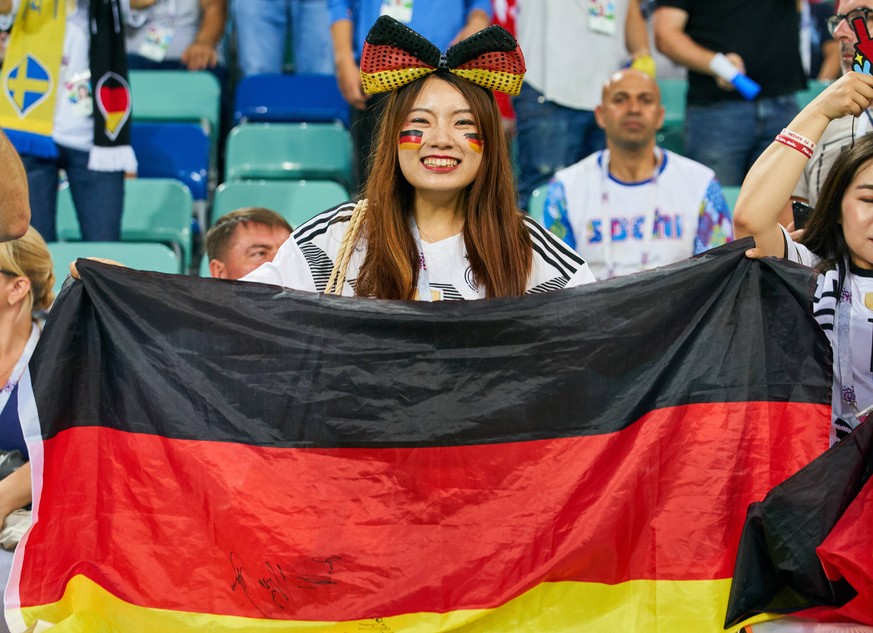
(440, 162)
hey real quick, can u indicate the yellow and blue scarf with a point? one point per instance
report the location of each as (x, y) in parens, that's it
(30, 81)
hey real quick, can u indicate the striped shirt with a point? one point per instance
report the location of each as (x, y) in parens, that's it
(304, 262)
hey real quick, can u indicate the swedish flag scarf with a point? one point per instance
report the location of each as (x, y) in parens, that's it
(30, 81)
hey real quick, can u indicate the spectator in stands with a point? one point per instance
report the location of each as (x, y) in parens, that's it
(14, 207)
(635, 206)
(52, 127)
(439, 220)
(842, 131)
(572, 48)
(443, 23)
(176, 34)
(821, 52)
(242, 240)
(262, 27)
(836, 241)
(712, 38)
(26, 282)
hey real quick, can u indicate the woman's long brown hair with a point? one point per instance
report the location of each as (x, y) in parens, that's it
(498, 245)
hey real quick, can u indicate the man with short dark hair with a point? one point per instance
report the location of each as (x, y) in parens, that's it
(242, 240)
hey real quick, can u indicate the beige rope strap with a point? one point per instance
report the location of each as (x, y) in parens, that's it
(338, 274)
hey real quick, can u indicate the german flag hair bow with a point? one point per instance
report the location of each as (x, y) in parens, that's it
(395, 55)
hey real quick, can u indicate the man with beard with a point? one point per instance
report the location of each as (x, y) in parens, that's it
(635, 206)
(840, 132)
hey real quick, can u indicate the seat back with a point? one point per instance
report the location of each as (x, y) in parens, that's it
(730, 195)
(173, 150)
(536, 204)
(289, 151)
(141, 256)
(155, 210)
(290, 99)
(176, 95)
(295, 200)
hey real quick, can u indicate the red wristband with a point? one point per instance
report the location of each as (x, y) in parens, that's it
(790, 142)
(797, 137)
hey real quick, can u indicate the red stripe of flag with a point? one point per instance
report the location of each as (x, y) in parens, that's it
(359, 533)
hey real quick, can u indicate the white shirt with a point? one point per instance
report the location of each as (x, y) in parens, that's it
(305, 260)
(681, 209)
(857, 296)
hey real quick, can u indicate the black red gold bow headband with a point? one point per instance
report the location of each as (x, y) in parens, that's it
(395, 55)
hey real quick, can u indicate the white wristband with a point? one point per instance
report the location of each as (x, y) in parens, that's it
(722, 67)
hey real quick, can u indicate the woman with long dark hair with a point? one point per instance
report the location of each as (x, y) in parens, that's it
(439, 219)
(837, 240)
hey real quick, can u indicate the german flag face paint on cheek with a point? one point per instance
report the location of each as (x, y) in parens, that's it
(410, 139)
(475, 142)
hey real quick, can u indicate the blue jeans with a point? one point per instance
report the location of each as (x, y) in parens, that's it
(550, 137)
(262, 26)
(97, 195)
(729, 136)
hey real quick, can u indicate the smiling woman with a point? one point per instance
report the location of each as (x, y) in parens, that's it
(439, 219)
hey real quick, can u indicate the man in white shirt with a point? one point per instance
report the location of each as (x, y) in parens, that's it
(635, 206)
(840, 132)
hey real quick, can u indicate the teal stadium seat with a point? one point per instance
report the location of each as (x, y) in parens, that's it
(181, 96)
(536, 205)
(140, 255)
(730, 195)
(155, 210)
(295, 200)
(813, 88)
(176, 95)
(289, 151)
(671, 136)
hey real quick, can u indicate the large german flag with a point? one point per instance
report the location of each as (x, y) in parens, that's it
(226, 456)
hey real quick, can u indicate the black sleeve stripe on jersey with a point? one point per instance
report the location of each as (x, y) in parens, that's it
(570, 259)
(546, 257)
(826, 326)
(321, 222)
(558, 283)
(824, 311)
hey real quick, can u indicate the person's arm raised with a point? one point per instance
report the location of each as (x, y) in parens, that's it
(772, 178)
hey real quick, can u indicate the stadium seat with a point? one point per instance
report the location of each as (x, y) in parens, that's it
(176, 95)
(730, 195)
(289, 99)
(536, 204)
(673, 93)
(277, 151)
(180, 96)
(671, 136)
(295, 200)
(155, 210)
(140, 255)
(173, 150)
(813, 88)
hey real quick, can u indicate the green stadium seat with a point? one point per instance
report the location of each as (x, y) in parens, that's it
(813, 88)
(155, 210)
(295, 200)
(730, 195)
(671, 136)
(176, 95)
(673, 92)
(140, 255)
(536, 205)
(289, 151)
